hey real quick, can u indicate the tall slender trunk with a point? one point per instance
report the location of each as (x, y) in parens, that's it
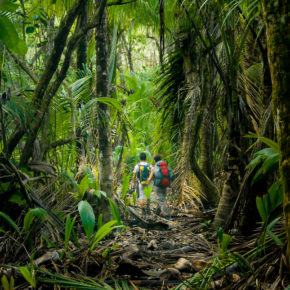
(276, 15)
(105, 164)
(81, 62)
(161, 30)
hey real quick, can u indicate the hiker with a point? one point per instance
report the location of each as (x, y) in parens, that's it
(140, 177)
(162, 178)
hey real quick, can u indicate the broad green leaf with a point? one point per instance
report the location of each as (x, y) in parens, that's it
(261, 209)
(100, 221)
(10, 221)
(10, 37)
(87, 217)
(83, 187)
(276, 195)
(255, 161)
(270, 164)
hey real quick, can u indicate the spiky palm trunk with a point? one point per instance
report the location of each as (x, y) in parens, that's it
(277, 18)
(105, 164)
(233, 168)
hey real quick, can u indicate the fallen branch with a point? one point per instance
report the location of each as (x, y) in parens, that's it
(159, 226)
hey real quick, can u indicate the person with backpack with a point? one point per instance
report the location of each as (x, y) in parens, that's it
(162, 179)
(141, 174)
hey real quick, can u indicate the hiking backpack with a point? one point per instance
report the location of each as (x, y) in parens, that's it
(143, 173)
(163, 176)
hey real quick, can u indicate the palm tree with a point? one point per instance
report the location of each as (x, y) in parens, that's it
(277, 26)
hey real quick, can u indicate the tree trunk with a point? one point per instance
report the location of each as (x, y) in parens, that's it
(192, 124)
(81, 62)
(206, 160)
(105, 164)
(161, 31)
(277, 18)
(82, 46)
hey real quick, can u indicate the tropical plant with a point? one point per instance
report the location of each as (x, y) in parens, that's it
(88, 220)
(8, 33)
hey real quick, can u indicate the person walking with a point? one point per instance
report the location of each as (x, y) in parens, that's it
(141, 174)
(162, 176)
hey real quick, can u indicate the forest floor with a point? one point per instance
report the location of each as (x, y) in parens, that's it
(152, 253)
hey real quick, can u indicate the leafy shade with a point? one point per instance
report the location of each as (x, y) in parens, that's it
(87, 217)
(8, 33)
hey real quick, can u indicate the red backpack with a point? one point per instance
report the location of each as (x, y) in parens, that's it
(163, 176)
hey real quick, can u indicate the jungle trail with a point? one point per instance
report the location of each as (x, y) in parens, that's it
(87, 87)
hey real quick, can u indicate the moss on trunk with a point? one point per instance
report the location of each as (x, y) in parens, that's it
(276, 15)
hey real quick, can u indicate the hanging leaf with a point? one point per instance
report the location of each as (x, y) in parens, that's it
(10, 37)
(87, 217)
(261, 209)
(83, 187)
(275, 195)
